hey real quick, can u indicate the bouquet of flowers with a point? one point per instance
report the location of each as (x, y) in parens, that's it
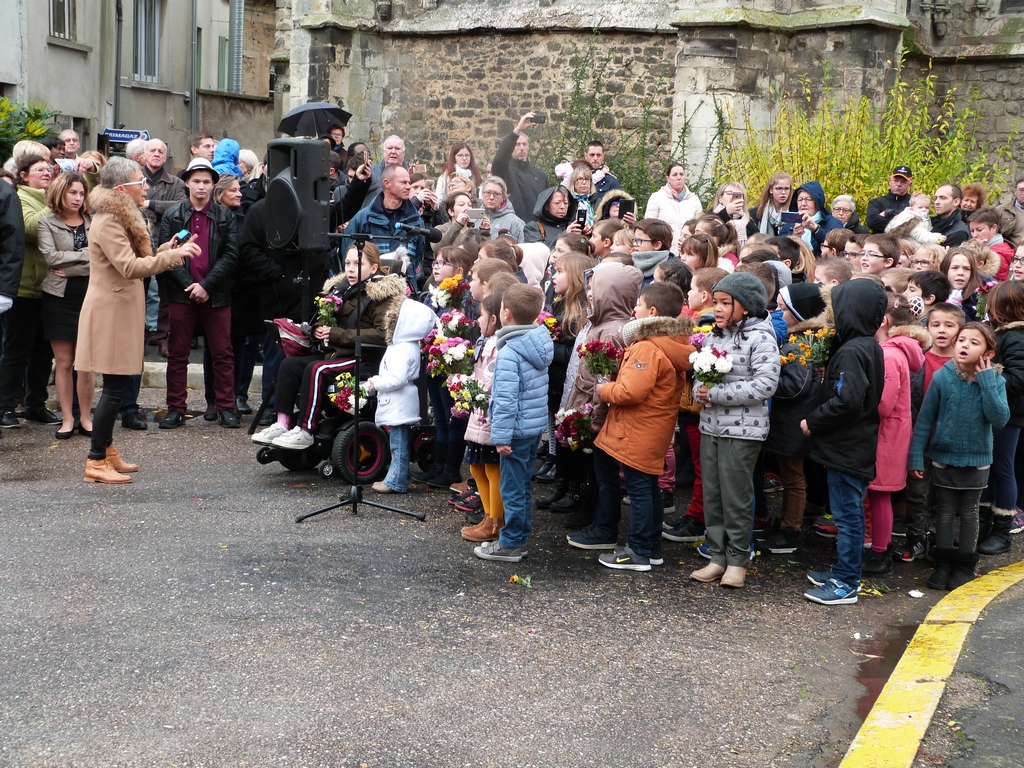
(343, 393)
(469, 395)
(572, 428)
(813, 348)
(451, 293)
(710, 366)
(981, 303)
(551, 323)
(454, 324)
(700, 333)
(326, 307)
(600, 357)
(447, 355)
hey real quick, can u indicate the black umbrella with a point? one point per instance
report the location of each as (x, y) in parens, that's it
(313, 119)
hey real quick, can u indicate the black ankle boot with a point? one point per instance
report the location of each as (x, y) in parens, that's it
(984, 522)
(451, 472)
(943, 568)
(547, 472)
(440, 456)
(557, 493)
(964, 564)
(998, 541)
(571, 501)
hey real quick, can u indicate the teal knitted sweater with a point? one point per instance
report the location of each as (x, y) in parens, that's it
(963, 414)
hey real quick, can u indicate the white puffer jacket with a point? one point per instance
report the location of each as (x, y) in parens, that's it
(398, 401)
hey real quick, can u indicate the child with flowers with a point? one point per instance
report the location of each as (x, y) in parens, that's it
(481, 455)
(734, 421)
(639, 428)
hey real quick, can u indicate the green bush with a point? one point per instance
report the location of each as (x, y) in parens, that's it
(852, 147)
(20, 122)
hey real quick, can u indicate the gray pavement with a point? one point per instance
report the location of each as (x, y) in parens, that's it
(186, 620)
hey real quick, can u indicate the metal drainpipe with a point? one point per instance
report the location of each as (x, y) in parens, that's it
(117, 66)
(195, 74)
(236, 26)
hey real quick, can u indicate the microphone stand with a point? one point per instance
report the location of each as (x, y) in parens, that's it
(355, 493)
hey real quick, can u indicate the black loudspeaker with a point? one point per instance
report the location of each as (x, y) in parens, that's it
(298, 194)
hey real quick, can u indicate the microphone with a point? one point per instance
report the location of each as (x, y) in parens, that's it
(432, 234)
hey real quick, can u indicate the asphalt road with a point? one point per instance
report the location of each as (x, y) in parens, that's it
(186, 620)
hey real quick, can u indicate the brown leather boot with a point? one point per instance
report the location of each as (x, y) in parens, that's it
(486, 530)
(100, 471)
(119, 464)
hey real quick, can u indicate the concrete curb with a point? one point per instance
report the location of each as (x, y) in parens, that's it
(154, 375)
(892, 732)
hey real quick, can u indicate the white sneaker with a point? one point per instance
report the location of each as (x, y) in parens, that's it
(296, 439)
(270, 434)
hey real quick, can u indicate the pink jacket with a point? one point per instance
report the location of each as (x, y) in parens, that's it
(904, 354)
(479, 428)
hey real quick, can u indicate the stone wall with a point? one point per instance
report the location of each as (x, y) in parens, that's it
(249, 120)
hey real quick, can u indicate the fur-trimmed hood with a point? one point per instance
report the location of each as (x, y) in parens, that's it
(378, 288)
(611, 196)
(125, 212)
(649, 327)
(1010, 326)
(823, 320)
(993, 263)
(913, 331)
(912, 341)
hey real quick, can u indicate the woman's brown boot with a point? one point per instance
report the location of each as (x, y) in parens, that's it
(119, 464)
(100, 471)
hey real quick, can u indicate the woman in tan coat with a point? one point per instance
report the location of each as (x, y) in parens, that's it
(111, 327)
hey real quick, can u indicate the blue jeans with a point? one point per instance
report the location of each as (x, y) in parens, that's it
(516, 471)
(846, 499)
(398, 473)
(646, 505)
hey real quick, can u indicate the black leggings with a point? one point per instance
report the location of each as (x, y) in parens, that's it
(105, 414)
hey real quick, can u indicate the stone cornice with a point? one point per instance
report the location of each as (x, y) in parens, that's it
(797, 21)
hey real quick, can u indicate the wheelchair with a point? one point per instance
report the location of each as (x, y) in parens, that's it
(336, 451)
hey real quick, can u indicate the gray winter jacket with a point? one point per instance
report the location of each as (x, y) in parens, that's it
(739, 405)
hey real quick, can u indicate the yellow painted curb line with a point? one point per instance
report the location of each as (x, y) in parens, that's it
(892, 731)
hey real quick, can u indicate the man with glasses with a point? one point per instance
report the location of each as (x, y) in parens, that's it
(200, 290)
(882, 210)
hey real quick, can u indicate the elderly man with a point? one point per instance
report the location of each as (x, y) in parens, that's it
(525, 182)
(394, 155)
(71, 144)
(882, 210)
(500, 213)
(385, 212)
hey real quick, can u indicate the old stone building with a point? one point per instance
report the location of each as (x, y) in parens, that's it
(437, 71)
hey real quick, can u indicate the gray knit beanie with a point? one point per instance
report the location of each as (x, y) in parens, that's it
(747, 289)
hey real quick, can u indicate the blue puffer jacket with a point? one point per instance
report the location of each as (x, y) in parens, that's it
(519, 394)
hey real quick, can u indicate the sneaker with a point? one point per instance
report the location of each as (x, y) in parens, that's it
(492, 550)
(910, 550)
(832, 592)
(295, 439)
(784, 542)
(867, 541)
(817, 578)
(470, 504)
(899, 529)
(462, 497)
(625, 559)
(270, 434)
(827, 530)
(688, 529)
(772, 483)
(1017, 524)
(591, 538)
(764, 531)
(762, 524)
(668, 498)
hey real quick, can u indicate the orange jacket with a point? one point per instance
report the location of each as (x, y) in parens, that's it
(644, 398)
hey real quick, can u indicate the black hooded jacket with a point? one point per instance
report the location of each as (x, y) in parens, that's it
(844, 428)
(12, 241)
(546, 228)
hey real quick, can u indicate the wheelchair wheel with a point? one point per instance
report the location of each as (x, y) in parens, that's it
(370, 457)
(298, 461)
(423, 450)
(325, 468)
(263, 455)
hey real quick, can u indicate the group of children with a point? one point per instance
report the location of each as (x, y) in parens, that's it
(879, 406)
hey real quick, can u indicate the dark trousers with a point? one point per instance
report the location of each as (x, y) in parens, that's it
(26, 357)
(273, 356)
(105, 414)
(244, 350)
(646, 506)
(217, 322)
(130, 400)
(1002, 482)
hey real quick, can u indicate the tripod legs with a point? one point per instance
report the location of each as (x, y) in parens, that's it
(355, 498)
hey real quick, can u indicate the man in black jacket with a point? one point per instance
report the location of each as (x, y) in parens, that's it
(12, 245)
(525, 182)
(844, 431)
(947, 220)
(201, 290)
(882, 210)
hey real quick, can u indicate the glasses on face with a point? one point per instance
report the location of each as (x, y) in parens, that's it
(491, 193)
(921, 262)
(141, 182)
(638, 241)
(448, 264)
(837, 209)
(1017, 260)
(782, 189)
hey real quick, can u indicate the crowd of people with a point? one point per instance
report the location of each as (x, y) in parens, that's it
(873, 372)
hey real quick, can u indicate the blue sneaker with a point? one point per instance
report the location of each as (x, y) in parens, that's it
(832, 592)
(817, 578)
(704, 550)
(591, 538)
